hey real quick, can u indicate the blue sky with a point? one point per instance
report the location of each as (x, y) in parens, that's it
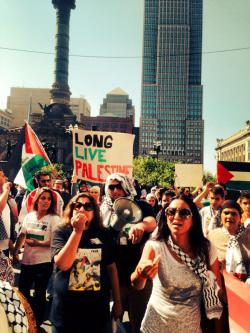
(115, 28)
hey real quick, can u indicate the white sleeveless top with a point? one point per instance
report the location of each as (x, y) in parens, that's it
(174, 305)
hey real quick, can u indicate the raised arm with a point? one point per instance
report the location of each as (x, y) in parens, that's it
(147, 268)
(66, 256)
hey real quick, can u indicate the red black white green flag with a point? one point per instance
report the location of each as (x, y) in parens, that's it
(33, 159)
(235, 175)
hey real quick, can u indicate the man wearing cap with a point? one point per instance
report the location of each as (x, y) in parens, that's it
(129, 247)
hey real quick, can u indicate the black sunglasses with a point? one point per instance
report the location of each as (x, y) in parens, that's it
(117, 186)
(230, 213)
(183, 212)
(88, 206)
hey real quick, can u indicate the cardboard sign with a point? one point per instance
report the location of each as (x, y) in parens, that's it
(99, 154)
(188, 175)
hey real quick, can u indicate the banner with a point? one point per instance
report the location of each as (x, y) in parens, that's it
(236, 175)
(188, 175)
(99, 154)
(238, 298)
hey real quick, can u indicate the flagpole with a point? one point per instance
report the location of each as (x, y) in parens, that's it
(29, 110)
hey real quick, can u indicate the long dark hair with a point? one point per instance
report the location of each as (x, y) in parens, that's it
(52, 208)
(95, 224)
(200, 245)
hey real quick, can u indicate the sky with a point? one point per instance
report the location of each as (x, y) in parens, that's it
(102, 29)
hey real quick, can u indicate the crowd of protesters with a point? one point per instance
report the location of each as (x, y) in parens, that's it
(165, 270)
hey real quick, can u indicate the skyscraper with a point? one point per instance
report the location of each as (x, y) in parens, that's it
(171, 107)
(117, 104)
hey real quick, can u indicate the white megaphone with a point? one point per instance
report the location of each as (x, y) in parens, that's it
(126, 211)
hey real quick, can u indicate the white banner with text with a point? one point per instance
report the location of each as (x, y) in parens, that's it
(99, 154)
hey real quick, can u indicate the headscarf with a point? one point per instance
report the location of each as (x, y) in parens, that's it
(107, 204)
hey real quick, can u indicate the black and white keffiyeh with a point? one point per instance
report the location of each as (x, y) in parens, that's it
(14, 309)
(3, 232)
(233, 239)
(213, 306)
(107, 203)
(234, 260)
(6, 269)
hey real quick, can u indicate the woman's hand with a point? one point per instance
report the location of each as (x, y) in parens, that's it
(79, 222)
(117, 310)
(32, 242)
(148, 269)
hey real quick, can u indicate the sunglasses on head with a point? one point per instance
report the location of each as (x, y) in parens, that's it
(230, 213)
(182, 212)
(117, 186)
(87, 206)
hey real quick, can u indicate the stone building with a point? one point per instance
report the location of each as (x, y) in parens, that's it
(235, 148)
(25, 101)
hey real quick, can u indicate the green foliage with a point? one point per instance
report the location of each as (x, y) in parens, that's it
(56, 169)
(149, 170)
(209, 177)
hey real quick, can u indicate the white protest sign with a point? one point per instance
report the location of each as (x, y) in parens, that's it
(99, 154)
(188, 175)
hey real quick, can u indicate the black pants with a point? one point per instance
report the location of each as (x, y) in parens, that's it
(37, 275)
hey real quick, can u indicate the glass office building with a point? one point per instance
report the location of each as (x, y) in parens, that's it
(171, 105)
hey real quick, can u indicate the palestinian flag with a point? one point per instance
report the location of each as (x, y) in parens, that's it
(33, 158)
(235, 175)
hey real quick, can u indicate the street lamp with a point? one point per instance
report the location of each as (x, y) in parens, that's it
(157, 148)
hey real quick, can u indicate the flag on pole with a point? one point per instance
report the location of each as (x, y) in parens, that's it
(235, 175)
(33, 158)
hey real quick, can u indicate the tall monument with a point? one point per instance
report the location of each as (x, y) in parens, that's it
(59, 108)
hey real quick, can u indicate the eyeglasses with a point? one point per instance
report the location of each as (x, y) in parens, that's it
(87, 206)
(230, 213)
(117, 186)
(184, 213)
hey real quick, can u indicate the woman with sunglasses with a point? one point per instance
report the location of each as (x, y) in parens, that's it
(84, 255)
(36, 235)
(183, 267)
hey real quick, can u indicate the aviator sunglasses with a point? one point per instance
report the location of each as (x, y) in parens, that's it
(87, 206)
(117, 186)
(183, 212)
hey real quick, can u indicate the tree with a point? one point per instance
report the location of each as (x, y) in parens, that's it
(56, 169)
(209, 177)
(152, 171)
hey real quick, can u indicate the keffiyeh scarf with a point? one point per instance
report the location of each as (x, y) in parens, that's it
(107, 203)
(6, 269)
(213, 306)
(14, 309)
(234, 260)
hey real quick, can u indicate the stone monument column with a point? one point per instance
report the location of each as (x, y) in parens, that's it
(60, 92)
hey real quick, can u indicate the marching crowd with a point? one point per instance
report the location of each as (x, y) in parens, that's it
(165, 270)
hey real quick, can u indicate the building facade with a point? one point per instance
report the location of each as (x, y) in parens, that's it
(235, 148)
(117, 104)
(6, 118)
(24, 101)
(107, 124)
(171, 103)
